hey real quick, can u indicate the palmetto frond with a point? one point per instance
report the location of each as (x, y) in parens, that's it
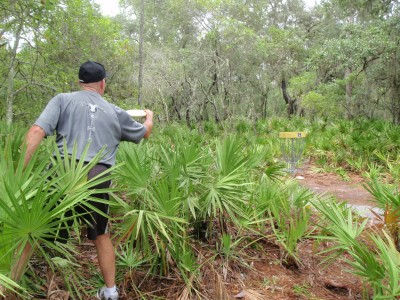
(227, 188)
(381, 269)
(230, 156)
(390, 258)
(388, 199)
(10, 285)
(155, 222)
(136, 170)
(384, 195)
(289, 215)
(33, 206)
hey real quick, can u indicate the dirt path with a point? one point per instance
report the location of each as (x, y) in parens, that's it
(349, 190)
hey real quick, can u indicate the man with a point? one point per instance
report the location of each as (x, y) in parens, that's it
(81, 117)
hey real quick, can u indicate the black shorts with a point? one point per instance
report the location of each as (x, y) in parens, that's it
(96, 224)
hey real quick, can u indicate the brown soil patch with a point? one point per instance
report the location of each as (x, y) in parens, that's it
(349, 189)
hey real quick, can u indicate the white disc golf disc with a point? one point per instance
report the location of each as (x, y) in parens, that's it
(136, 113)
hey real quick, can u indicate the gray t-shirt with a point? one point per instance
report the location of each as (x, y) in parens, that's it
(84, 116)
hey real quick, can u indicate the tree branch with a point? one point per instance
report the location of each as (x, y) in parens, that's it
(35, 84)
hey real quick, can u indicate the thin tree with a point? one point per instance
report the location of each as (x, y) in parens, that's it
(11, 74)
(141, 59)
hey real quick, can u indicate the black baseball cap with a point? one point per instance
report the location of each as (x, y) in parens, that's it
(91, 71)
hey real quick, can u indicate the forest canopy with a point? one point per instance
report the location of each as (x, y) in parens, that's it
(193, 61)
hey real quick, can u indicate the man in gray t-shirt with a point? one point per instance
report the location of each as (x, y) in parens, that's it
(82, 117)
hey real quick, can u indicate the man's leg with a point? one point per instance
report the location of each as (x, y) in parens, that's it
(97, 232)
(106, 257)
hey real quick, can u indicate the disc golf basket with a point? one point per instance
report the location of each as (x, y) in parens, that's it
(292, 146)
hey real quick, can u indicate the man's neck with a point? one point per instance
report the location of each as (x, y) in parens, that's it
(97, 87)
(91, 89)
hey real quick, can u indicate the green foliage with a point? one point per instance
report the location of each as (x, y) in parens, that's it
(315, 104)
(10, 285)
(388, 199)
(390, 161)
(205, 61)
(389, 256)
(211, 128)
(34, 201)
(303, 83)
(230, 65)
(380, 269)
(354, 145)
(153, 222)
(243, 126)
(226, 190)
(384, 195)
(184, 181)
(289, 215)
(167, 188)
(136, 170)
(302, 290)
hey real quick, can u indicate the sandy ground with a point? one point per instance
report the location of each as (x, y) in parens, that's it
(350, 189)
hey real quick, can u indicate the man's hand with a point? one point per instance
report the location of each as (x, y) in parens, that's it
(148, 122)
(149, 113)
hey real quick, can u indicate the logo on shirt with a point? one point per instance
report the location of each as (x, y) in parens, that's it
(92, 107)
(92, 116)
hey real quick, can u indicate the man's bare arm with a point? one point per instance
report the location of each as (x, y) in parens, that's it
(33, 139)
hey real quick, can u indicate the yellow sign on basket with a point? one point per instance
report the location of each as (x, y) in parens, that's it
(292, 135)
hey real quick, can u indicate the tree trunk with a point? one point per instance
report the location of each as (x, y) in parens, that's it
(141, 59)
(264, 102)
(211, 99)
(394, 82)
(290, 102)
(214, 86)
(164, 104)
(10, 78)
(349, 94)
(187, 117)
(174, 105)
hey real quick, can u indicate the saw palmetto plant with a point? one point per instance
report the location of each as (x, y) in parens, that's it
(226, 189)
(391, 161)
(34, 200)
(387, 198)
(6, 284)
(377, 263)
(185, 203)
(353, 145)
(289, 216)
(151, 212)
